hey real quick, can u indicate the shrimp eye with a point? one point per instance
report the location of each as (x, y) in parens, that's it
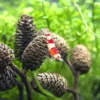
(58, 56)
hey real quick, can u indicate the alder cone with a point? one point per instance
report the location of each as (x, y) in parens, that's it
(52, 82)
(81, 59)
(6, 55)
(35, 53)
(7, 79)
(25, 32)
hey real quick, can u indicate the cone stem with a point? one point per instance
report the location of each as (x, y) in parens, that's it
(76, 77)
(24, 80)
(70, 66)
(76, 97)
(20, 87)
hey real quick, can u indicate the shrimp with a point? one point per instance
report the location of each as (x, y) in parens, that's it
(54, 52)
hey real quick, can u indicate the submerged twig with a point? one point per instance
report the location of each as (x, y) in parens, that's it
(24, 69)
(70, 66)
(76, 77)
(74, 93)
(24, 80)
(20, 87)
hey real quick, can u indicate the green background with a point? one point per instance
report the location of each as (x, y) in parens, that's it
(65, 19)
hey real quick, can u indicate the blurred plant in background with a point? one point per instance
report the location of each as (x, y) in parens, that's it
(62, 17)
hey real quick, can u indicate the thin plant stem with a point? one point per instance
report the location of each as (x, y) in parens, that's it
(94, 26)
(85, 23)
(44, 13)
(23, 77)
(93, 14)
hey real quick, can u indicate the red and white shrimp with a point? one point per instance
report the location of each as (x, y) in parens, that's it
(54, 52)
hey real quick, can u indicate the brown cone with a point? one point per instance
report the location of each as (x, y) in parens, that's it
(52, 82)
(81, 59)
(35, 53)
(7, 79)
(25, 32)
(6, 55)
